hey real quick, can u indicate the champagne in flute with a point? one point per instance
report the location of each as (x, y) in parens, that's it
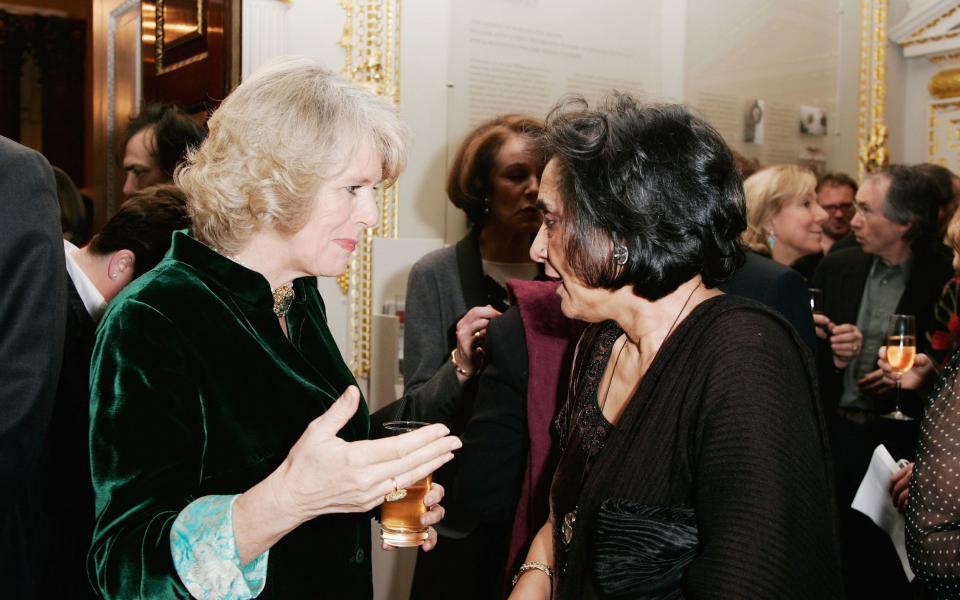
(901, 352)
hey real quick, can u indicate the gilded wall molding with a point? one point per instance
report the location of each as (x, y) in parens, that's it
(371, 44)
(944, 134)
(945, 84)
(917, 35)
(871, 107)
(928, 28)
(942, 58)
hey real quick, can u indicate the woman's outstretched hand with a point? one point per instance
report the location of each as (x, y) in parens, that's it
(324, 474)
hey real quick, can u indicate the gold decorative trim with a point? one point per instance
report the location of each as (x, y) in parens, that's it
(934, 22)
(938, 111)
(872, 149)
(942, 58)
(933, 38)
(371, 44)
(945, 84)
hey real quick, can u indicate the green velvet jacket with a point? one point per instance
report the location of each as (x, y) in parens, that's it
(196, 390)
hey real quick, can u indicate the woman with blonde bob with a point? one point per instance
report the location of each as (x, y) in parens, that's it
(783, 217)
(228, 438)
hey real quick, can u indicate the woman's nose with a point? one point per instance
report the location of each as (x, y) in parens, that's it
(538, 249)
(533, 189)
(819, 215)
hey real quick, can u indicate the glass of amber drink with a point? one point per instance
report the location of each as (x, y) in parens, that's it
(400, 513)
(901, 352)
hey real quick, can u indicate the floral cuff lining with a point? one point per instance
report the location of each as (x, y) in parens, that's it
(205, 552)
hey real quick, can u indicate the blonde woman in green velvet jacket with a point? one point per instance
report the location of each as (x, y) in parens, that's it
(228, 440)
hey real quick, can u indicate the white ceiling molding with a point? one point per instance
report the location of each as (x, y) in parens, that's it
(930, 27)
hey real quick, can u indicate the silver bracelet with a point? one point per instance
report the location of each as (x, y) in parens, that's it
(533, 566)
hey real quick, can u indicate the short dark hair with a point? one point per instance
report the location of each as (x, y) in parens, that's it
(468, 182)
(911, 198)
(144, 225)
(654, 178)
(174, 132)
(836, 180)
(941, 177)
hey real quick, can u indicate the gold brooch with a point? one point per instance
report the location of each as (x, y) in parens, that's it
(282, 299)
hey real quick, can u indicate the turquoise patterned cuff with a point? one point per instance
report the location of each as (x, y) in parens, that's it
(205, 552)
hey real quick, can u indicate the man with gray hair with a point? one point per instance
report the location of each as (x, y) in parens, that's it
(897, 270)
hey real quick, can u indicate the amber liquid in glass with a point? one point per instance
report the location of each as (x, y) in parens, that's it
(400, 519)
(901, 352)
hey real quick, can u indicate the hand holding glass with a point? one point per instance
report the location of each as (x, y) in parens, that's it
(901, 352)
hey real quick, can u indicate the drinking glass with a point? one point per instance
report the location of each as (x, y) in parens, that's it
(901, 352)
(400, 517)
(816, 300)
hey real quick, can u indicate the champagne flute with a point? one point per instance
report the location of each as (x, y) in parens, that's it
(901, 352)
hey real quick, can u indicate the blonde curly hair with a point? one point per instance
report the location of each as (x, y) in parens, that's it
(284, 131)
(767, 191)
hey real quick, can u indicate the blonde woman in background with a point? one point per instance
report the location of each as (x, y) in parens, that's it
(784, 220)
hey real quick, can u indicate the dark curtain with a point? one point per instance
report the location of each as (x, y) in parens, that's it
(59, 47)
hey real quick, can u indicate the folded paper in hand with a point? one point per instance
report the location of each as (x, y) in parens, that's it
(873, 499)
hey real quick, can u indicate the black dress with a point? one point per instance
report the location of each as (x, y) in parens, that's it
(715, 482)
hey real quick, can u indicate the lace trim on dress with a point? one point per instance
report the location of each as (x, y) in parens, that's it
(590, 421)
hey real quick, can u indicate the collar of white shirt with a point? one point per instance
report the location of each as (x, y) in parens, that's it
(92, 298)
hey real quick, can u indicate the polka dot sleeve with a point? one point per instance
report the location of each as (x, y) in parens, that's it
(933, 509)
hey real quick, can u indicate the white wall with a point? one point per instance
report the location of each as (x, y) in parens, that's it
(897, 75)
(424, 35)
(914, 119)
(848, 70)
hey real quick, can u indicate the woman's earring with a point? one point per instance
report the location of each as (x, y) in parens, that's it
(771, 240)
(620, 254)
(486, 205)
